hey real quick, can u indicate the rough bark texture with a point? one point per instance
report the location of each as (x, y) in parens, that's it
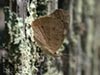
(96, 49)
(20, 55)
(88, 13)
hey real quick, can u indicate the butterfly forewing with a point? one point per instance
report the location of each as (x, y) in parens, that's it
(38, 33)
(49, 30)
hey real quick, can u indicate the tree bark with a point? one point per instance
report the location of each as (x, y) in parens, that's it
(88, 13)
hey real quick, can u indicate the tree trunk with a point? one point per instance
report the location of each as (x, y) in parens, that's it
(96, 54)
(88, 10)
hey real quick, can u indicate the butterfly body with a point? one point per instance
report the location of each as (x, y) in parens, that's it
(49, 31)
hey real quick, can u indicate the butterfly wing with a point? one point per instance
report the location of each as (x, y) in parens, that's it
(51, 30)
(38, 32)
(63, 16)
(54, 31)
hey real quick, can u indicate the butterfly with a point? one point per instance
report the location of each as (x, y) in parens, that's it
(50, 30)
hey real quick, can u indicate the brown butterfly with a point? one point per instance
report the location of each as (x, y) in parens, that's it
(49, 31)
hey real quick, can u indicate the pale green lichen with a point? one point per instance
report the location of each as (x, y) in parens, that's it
(19, 46)
(24, 55)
